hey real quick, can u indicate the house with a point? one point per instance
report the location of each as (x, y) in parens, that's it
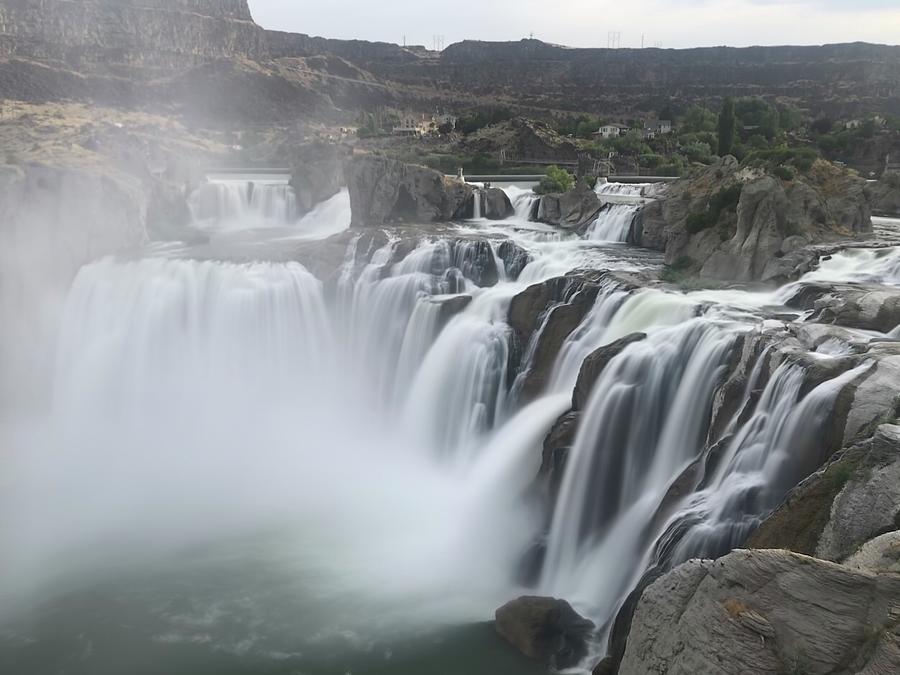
(653, 128)
(611, 130)
(853, 124)
(410, 125)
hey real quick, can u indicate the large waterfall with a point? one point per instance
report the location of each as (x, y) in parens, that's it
(244, 202)
(250, 467)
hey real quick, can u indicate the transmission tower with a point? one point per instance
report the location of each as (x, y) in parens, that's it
(614, 39)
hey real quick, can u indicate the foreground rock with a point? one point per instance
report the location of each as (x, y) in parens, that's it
(545, 630)
(496, 204)
(853, 499)
(736, 223)
(866, 307)
(766, 612)
(385, 191)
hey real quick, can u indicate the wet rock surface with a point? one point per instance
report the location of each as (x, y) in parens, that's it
(545, 629)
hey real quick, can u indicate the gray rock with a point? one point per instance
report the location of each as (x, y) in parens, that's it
(384, 191)
(496, 204)
(882, 554)
(572, 210)
(545, 630)
(766, 612)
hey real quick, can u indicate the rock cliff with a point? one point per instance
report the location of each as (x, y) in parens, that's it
(738, 223)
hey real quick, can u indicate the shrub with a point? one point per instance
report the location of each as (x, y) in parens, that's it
(785, 173)
(725, 199)
(556, 180)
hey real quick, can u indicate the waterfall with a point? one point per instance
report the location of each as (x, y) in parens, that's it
(613, 224)
(620, 189)
(476, 204)
(244, 203)
(618, 471)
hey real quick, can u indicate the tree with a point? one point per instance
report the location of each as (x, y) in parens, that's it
(726, 128)
(822, 125)
(556, 180)
(697, 119)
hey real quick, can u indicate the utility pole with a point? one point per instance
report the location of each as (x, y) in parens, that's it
(642, 41)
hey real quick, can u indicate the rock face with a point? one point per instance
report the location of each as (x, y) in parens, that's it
(852, 305)
(159, 33)
(741, 224)
(496, 204)
(572, 210)
(317, 173)
(853, 499)
(595, 364)
(388, 191)
(885, 195)
(766, 612)
(545, 630)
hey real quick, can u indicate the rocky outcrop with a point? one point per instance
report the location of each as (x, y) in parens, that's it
(766, 612)
(384, 191)
(866, 307)
(317, 173)
(572, 210)
(853, 499)
(545, 630)
(885, 195)
(735, 223)
(496, 204)
(523, 139)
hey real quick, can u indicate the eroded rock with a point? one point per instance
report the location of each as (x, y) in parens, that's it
(545, 629)
(766, 612)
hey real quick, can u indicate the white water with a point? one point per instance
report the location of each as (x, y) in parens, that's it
(366, 443)
(243, 204)
(620, 189)
(613, 224)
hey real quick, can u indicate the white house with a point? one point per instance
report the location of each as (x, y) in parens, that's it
(411, 126)
(611, 131)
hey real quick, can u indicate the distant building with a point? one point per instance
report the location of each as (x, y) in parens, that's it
(653, 128)
(853, 124)
(411, 125)
(611, 130)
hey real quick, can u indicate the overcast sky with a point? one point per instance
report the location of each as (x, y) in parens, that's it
(587, 23)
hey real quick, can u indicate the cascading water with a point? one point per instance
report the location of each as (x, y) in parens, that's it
(613, 224)
(244, 203)
(248, 469)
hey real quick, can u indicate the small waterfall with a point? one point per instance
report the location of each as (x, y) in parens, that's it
(613, 224)
(476, 204)
(523, 201)
(620, 189)
(240, 203)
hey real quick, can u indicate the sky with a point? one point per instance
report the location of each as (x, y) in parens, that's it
(588, 23)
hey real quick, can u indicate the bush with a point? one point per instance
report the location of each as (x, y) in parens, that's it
(725, 199)
(785, 173)
(556, 180)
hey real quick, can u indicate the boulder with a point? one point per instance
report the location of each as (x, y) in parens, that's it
(545, 630)
(766, 612)
(571, 210)
(169, 216)
(496, 204)
(385, 191)
(882, 554)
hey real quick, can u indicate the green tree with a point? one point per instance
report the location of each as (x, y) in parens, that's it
(698, 118)
(726, 127)
(556, 180)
